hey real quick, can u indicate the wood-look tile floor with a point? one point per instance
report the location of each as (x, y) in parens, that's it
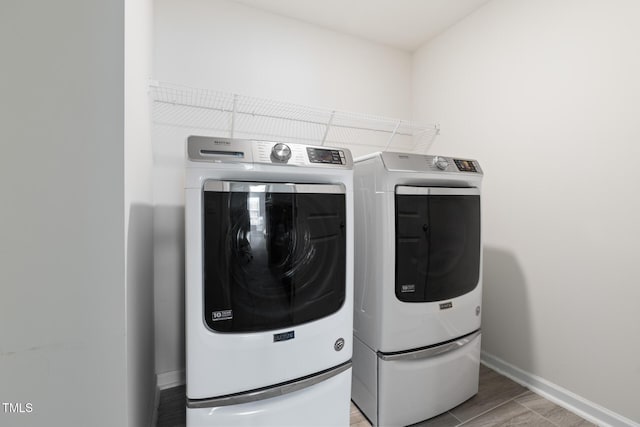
(499, 402)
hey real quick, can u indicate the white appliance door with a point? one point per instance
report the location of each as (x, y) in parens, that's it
(322, 404)
(269, 288)
(413, 387)
(437, 273)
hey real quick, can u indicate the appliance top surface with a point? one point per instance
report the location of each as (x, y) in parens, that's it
(411, 162)
(215, 150)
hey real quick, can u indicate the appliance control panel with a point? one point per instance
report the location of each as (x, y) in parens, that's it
(465, 165)
(227, 150)
(408, 162)
(323, 155)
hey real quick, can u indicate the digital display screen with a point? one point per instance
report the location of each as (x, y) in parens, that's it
(465, 165)
(323, 155)
(319, 155)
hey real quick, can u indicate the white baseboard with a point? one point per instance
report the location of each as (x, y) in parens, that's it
(171, 379)
(563, 397)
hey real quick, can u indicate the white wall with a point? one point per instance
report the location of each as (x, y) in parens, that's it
(76, 303)
(138, 214)
(546, 95)
(222, 45)
(62, 313)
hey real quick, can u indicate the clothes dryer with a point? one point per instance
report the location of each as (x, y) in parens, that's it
(418, 285)
(269, 288)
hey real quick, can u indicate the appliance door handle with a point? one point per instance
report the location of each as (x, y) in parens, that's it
(266, 393)
(432, 351)
(272, 187)
(436, 191)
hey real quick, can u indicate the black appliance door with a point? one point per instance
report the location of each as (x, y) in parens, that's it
(437, 242)
(274, 254)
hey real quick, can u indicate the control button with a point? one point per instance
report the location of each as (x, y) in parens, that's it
(440, 162)
(281, 153)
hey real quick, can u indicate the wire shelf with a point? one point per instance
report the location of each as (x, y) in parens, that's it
(238, 116)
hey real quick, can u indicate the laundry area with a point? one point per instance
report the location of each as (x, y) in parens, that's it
(332, 213)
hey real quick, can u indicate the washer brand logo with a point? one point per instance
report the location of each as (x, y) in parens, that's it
(408, 288)
(446, 305)
(222, 315)
(284, 336)
(339, 344)
(221, 142)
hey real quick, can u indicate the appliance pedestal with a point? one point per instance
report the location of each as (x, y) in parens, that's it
(323, 404)
(406, 391)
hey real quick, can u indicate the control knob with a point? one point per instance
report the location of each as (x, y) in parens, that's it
(281, 153)
(440, 162)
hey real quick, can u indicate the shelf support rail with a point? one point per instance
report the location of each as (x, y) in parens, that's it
(418, 137)
(326, 130)
(233, 114)
(386, 147)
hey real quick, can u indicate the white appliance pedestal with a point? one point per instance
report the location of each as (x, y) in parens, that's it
(406, 391)
(324, 404)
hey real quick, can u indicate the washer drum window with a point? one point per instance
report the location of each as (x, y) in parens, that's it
(437, 242)
(274, 254)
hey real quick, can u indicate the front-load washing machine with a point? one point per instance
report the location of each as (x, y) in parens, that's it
(269, 283)
(418, 285)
